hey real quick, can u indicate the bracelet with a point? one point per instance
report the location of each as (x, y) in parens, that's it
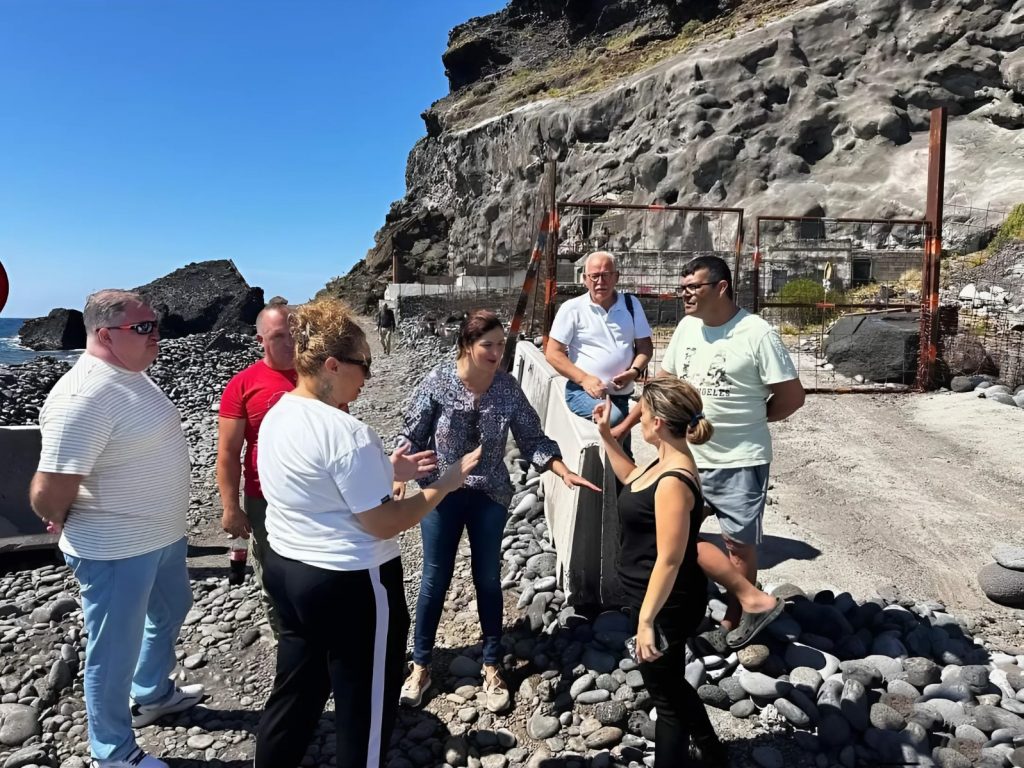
(638, 371)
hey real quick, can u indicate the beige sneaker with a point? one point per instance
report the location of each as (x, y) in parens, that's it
(415, 686)
(496, 696)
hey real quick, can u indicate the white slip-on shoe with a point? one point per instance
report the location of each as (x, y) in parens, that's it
(185, 697)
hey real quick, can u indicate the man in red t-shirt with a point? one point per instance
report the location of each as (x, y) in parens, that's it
(246, 400)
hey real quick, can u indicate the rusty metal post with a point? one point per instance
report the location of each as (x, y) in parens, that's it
(928, 354)
(757, 265)
(737, 269)
(551, 246)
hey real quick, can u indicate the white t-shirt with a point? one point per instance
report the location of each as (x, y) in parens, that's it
(731, 365)
(600, 342)
(319, 469)
(121, 432)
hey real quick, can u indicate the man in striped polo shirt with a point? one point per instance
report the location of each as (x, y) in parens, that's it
(113, 477)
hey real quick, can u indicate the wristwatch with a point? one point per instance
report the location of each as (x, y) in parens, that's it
(638, 371)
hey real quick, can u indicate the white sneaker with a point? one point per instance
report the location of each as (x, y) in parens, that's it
(138, 759)
(185, 697)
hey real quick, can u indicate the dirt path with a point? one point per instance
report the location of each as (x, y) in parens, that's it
(910, 490)
(905, 490)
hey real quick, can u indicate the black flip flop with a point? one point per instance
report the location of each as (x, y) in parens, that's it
(751, 624)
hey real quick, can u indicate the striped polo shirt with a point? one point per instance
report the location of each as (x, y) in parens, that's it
(119, 430)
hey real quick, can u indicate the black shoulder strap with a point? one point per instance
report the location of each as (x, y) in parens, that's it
(629, 305)
(687, 477)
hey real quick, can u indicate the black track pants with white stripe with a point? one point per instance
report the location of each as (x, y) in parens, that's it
(341, 631)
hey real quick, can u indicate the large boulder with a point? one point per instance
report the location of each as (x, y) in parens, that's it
(61, 329)
(878, 346)
(204, 296)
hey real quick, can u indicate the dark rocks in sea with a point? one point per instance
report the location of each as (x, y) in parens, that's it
(61, 329)
(200, 297)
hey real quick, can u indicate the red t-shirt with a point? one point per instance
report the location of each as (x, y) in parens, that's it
(249, 395)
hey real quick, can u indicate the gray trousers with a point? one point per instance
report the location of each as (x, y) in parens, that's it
(256, 510)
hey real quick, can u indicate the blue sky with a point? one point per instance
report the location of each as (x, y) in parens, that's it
(139, 135)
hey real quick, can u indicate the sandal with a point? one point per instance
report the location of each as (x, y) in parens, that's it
(751, 625)
(496, 695)
(415, 686)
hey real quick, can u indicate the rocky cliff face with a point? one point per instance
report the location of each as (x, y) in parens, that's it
(780, 108)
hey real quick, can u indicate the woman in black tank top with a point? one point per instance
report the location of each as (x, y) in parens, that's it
(660, 515)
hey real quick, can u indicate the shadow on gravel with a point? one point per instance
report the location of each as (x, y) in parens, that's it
(175, 762)
(774, 550)
(197, 550)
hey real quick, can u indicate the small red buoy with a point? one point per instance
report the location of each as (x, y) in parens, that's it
(5, 286)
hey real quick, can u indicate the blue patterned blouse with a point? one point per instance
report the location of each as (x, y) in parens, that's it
(444, 416)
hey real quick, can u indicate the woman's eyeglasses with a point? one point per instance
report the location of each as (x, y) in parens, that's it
(143, 329)
(364, 364)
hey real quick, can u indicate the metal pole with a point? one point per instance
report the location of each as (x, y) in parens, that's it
(551, 247)
(928, 355)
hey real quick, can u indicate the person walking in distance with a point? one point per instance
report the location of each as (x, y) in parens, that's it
(113, 477)
(386, 327)
(247, 398)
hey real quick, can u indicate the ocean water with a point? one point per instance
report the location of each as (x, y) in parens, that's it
(11, 352)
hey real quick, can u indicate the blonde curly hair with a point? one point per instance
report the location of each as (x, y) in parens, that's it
(321, 329)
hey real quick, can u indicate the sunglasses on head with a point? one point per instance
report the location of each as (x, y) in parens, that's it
(364, 364)
(144, 328)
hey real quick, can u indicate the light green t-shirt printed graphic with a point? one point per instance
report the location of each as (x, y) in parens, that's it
(732, 366)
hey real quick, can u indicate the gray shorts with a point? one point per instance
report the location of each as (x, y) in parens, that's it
(737, 496)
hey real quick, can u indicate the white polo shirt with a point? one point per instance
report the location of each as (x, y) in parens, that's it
(600, 342)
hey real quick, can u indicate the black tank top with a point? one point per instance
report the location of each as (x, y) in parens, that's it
(639, 545)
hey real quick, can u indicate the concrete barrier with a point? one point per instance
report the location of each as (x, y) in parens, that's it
(19, 456)
(583, 524)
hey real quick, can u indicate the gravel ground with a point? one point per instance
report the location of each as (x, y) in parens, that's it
(894, 496)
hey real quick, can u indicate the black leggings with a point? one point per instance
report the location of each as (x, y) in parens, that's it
(344, 631)
(680, 710)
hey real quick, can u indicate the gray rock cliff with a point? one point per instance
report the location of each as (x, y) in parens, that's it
(822, 111)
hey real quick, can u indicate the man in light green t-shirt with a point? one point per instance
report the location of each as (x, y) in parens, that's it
(746, 379)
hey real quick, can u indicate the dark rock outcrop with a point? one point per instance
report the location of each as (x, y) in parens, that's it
(61, 329)
(200, 297)
(204, 296)
(879, 347)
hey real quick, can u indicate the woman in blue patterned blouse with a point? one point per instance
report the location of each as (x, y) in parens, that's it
(460, 405)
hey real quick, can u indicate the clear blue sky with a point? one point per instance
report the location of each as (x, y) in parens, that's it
(139, 135)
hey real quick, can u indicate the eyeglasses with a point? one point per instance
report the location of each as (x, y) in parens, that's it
(599, 277)
(144, 328)
(364, 364)
(682, 290)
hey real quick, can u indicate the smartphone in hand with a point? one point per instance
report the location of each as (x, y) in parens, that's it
(660, 642)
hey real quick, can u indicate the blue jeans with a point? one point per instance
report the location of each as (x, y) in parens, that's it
(441, 529)
(134, 609)
(582, 405)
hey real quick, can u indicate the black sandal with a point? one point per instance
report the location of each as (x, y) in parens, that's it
(751, 624)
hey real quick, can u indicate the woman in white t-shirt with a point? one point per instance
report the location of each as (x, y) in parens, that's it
(333, 567)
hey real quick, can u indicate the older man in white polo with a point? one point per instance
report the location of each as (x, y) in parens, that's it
(600, 341)
(114, 475)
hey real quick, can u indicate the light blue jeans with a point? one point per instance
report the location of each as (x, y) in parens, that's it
(134, 609)
(582, 404)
